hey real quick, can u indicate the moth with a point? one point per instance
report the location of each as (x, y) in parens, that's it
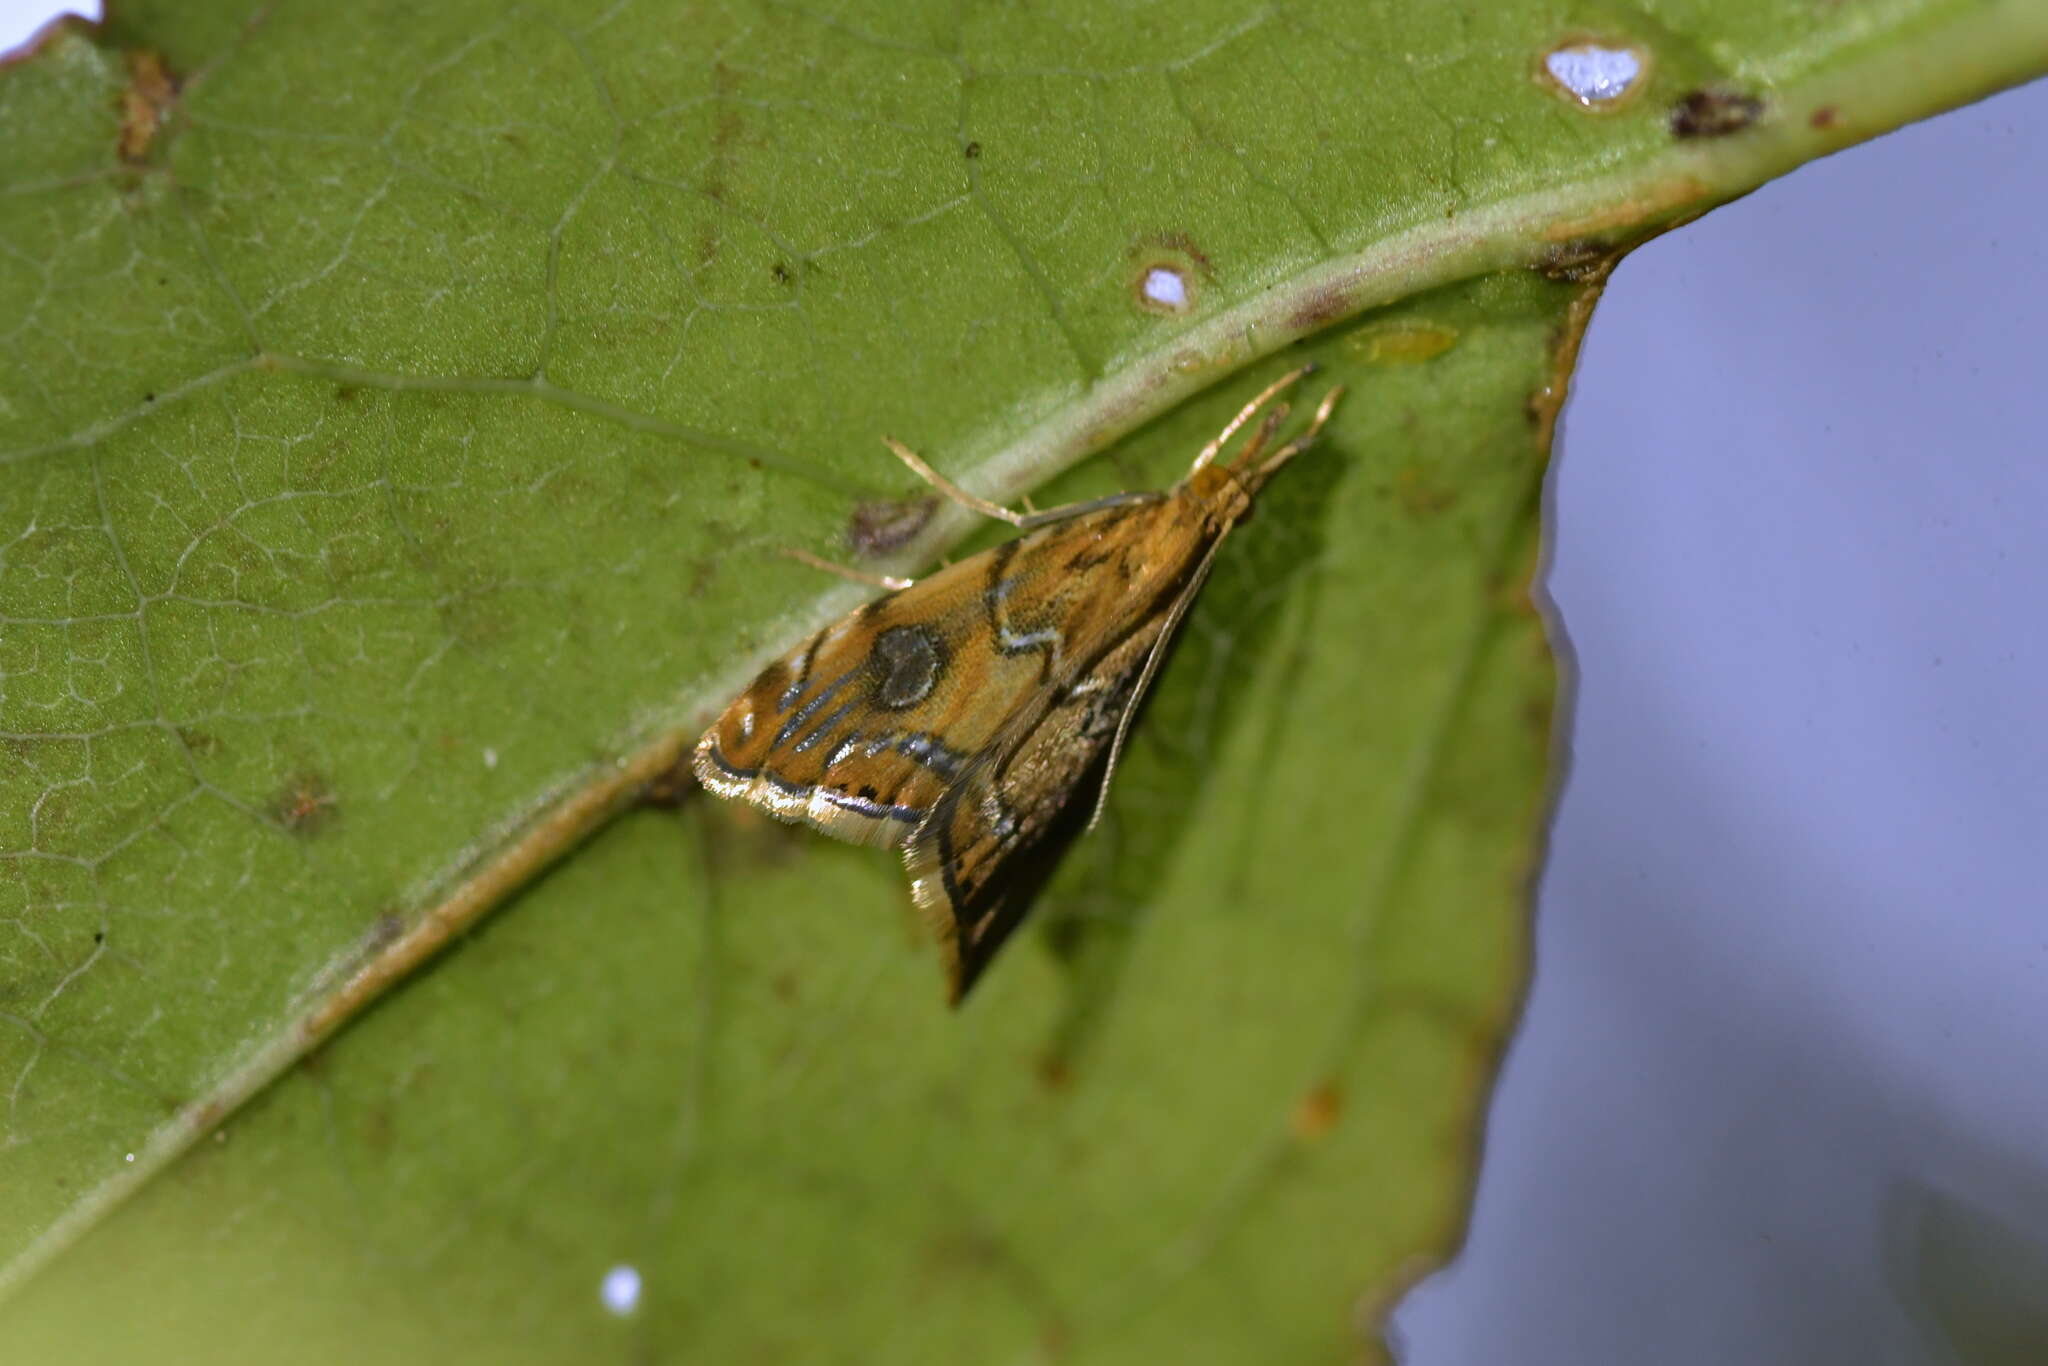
(965, 716)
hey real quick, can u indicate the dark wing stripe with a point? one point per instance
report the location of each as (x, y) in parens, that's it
(909, 815)
(809, 709)
(716, 755)
(825, 727)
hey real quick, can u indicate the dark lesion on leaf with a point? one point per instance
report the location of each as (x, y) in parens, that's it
(1710, 113)
(1576, 261)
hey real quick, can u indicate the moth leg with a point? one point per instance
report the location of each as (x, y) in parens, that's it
(948, 487)
(888, 581)
(1245, 414)
(1022, 520)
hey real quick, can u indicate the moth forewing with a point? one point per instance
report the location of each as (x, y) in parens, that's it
(1007, 812)
(960, 716)
(859, 730)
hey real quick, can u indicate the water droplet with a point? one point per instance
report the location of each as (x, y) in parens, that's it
(621, 1289)
(1594, 73)
(129, 1157)
(1165, 288)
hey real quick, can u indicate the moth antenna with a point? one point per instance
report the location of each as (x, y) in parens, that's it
(948, 487)
(1244, 414)
(1300, 443)
(888, 581)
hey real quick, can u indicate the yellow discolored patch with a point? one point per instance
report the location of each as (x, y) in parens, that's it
(145, 104)
(1408, 342)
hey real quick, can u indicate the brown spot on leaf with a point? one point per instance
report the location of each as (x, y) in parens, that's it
(1824, 117)
(1575, 261)
(1320, 309)
(305, 805)
(782, 273)
(1709, 113)
(1317, 1112)
(1180, 244)
(145, 104)
(972, 150)
(881, 525)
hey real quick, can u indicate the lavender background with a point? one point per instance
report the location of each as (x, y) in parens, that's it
(1784, 1072)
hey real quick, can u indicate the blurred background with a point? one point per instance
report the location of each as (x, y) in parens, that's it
(1781, 1093)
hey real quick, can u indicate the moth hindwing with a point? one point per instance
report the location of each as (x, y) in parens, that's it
(966, 717)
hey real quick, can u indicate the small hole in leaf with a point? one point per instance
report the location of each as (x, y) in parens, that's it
(1594, 74)
(1168, 271)
(1164, 290)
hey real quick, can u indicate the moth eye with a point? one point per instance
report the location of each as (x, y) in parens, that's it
(907, 661)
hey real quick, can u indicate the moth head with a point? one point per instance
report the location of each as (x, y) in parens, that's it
(1255, 465)
(1222, 490)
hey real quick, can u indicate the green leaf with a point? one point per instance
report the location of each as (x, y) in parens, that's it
(401, 413)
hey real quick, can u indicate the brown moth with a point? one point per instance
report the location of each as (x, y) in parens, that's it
(959, 716)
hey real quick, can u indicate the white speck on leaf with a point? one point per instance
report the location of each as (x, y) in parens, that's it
(621, 1289)
(1593, 73)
